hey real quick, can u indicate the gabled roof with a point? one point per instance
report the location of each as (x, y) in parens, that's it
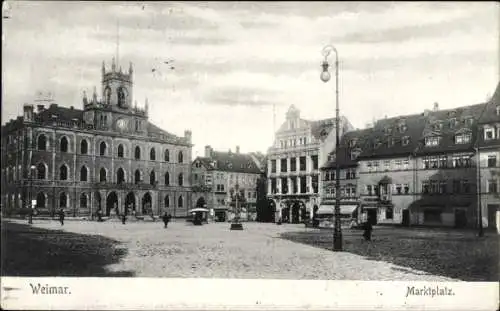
(229, 162)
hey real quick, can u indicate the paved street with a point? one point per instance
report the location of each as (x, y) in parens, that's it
(146, 249)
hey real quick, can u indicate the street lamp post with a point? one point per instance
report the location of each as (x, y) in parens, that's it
(236, 224)
(30, 205)
(325, 77)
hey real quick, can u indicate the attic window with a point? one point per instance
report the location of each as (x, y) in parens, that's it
(406, 140)
(468, 121)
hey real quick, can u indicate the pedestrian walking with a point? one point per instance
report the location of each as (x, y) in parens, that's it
(166, 219)
(124, 218)
(61, 216)
(367, 233)
(99, 215)
(30, 216)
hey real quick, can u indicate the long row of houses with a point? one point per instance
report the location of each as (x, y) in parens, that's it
(439, 167)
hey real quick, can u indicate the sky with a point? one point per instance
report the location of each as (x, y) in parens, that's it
(238, 66)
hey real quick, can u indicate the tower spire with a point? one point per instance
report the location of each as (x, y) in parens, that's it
(118, 42)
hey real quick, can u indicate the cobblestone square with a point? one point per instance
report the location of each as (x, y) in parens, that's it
(261, 250)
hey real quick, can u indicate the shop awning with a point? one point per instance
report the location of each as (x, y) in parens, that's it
(330, 209)
(198, 209)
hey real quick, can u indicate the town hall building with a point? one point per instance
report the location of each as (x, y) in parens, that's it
(107, 156)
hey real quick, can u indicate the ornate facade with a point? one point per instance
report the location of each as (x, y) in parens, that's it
(107, 156)
(301, 147)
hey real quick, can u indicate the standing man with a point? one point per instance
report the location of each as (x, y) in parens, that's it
(124, 218)
(166, 219)
(30, 216)
(61, 216)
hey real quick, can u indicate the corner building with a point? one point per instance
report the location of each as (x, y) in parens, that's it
(107, 156)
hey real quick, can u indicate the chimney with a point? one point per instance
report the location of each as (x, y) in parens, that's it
(237, 149)
(188, 135)
(436, 106)
(208, 151)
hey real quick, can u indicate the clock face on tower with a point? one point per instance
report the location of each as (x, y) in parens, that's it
(122, 124)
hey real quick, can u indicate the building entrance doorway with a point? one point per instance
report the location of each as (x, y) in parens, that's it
(406, 218)
(130, 203)
(147, 207)
(372, 215)
(460, 218)
(112, 203)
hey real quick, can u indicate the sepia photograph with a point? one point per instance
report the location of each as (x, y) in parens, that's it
(250, 155)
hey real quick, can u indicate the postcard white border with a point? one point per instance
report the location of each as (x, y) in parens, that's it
(242, 294)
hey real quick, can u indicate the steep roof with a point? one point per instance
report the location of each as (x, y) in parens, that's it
(353, 141)
(230, 162)
(63, 114)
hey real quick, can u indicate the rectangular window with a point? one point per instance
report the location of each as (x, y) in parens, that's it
(432, 141)
(463, 138)
(273, 166)
(314, 159)
(406, 164)
(398, 164)
(489, 133)
(442, 186)
(369, 166)
(369, 190)
(425, 187)
(376, 190)
(492, 186)
(303, 184)
(273, 185)
(283, 165)
(315, 183)
(443, 161)
(456, 186)
(302, 163)
(434, 162)
(387, 165)
(389, 213)
(426, 163)
(293, 164)
(466, 186)
(492, 161)
(284, 185)
(295, 187)
(399, 189)
(406, 188)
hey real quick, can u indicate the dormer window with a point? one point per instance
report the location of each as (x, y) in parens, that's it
(463, 138)
(402, 128)
(469, 121)
(489, 133)
(406, 140)
(453, 122)
(432, 141)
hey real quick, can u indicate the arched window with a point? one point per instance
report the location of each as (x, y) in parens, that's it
(63, 200)
(120, 176)
(152, 178)
(63, 147)
(63, 172)
(102, 175)
(107, 94)
(167, 201)
(84, 147)
(137, 177)
(179, 201)
(42, 172)
(121, 97)
(40, 200)
(180, 179)
(167, 155)
(102, 148)
(83, 200)
(137, 153)
(83, 173)
(42, 142)
(180, 157)
(152, 154)
(167, 179)
(120, 151)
